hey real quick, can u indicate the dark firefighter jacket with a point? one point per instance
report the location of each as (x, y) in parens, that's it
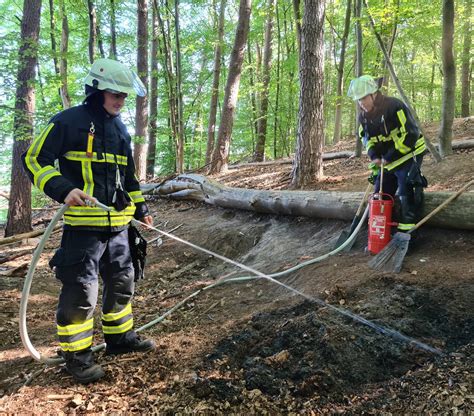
(390, 132)
(93, 169)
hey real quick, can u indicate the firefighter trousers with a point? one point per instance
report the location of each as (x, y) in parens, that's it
(410, 194)
(82, 257)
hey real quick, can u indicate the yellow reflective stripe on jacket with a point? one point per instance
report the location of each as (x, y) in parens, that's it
(419, 149)
(42, 176)
(399, 137)
(136, 196)
(113, 316)
(96, 211)
(120, 329)
(35, 148)
(73, 329)
(88, 177)
(76, 345)
(106, 157)
(96, 222)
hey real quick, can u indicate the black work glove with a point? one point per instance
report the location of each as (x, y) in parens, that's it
(121, 199)
(138, 247)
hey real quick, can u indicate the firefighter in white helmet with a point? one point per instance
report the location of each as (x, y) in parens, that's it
(92, 146)
(391, 136)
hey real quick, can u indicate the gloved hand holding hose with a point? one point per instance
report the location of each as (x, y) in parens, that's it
(78, 197)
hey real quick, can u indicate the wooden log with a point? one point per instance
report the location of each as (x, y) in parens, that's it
(19, 237)
(12, 256)
(467, 143)
(289, 161)
(319, 204)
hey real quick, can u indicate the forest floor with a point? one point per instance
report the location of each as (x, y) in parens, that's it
(255, 347)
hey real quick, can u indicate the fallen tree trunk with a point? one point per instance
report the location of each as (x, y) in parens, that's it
(289, 161)
(456, 145)
(319, 204)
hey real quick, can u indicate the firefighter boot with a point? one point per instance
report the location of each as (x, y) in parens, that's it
(130, 342)
(82, 367)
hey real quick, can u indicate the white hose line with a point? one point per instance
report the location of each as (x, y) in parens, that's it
(379, 328)
(25, 294)
(27, 286)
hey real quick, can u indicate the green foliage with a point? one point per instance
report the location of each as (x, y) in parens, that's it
(415, 55)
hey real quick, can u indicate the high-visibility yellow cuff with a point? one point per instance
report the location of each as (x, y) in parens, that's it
(75, 328)
(136, 196)
(42, 176)
(405, 227)
(82, 344)
(120, 329)
(117, 315)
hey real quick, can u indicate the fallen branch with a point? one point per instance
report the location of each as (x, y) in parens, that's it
(19, 237)
(19, 271)
(9, 257)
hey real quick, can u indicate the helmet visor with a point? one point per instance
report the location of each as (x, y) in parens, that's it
(123, 80)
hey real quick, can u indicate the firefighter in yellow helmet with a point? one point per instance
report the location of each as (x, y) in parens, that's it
(92, 146)
(392, 138)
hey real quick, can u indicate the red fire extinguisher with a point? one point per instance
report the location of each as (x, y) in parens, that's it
(380, 218)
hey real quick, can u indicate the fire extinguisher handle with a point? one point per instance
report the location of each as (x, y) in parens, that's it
(381, 177)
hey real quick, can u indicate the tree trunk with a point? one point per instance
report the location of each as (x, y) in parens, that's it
(308, 164)
(259, 154)
(141, 115)
(99, 38)
(291, 51)
(179, 93)
(396, 81)
(317, 204)
(170, 80)
(113, 33)
(150, 167)
(340, 75)
(92, 30)
(211, 126)
(63, 61)
(297, 12)
(466, 60)
(52, 25)
(445, 134)
(391, 42)
(220, 157)
(431, 87)
(19, 204)
(278, 81)
(254, 71)
(359, 69)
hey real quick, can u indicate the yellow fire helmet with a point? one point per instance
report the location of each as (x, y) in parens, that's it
(361, 87)
(111, 75)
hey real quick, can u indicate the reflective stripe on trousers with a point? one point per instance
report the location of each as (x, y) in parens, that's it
(82, 256)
